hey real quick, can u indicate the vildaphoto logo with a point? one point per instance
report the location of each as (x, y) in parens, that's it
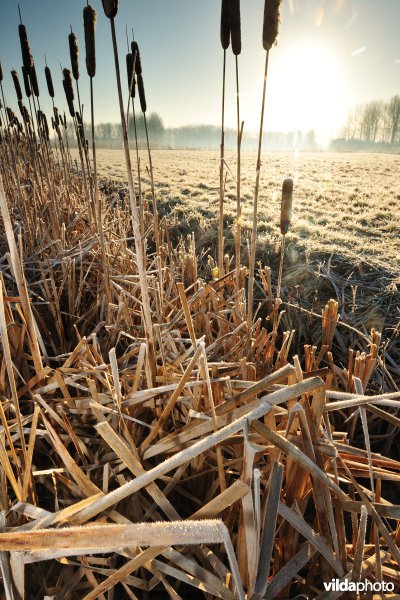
(337, 585)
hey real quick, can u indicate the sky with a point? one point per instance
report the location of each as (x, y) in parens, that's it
(331, 55)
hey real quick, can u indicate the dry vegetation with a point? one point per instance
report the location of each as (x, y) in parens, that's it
(154, 443)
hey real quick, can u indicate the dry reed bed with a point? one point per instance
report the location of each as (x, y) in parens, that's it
(204, 460)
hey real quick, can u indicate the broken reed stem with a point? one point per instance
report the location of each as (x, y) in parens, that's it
(221, 178)
(252, 260)
(147, 318)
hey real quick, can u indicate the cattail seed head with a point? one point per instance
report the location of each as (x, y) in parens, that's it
(1, 74)
(56, 116)
(74, 54)
(27, 57)
(34, 81)
(142, 95)
(17, 85)
(68, 85)
(225, 24)
(271, 22)
(236, 27)
(26, 116)
(89, 21)
(286, 206)
(49, 81)
(130, 68)
(110, 8)
(69, 91)
(27, 83)
(136, 58)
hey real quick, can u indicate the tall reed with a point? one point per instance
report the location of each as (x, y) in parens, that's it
(236, 42)
(143, 106)
(270, 33)
(111, 9)
(225, 35)
(89, 21)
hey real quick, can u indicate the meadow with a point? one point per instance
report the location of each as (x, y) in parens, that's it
(344, 204)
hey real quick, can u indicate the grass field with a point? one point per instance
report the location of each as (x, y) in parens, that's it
(345, 204)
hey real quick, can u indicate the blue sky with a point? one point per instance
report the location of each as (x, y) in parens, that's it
(332, 54)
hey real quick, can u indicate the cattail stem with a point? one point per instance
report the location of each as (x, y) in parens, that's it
(98, 201)
(221, 178)
(148, 323)
(238, 190)
(255, 204)
(153, 192)
(278, 289)
(141, 207)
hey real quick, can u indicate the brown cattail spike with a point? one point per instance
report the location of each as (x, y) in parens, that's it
(34, 81)
(136, 58)
(27, 58)
(110, 8)
(74, 54)
(286, 206)
(1, 74)
(142, 95)
(27, 83)
(236, 28)
(89, 21)
(68, 84)
(225, 24)
(130, 68)
(69, 91)
(17, 85)
(49, 81)
(271, 22)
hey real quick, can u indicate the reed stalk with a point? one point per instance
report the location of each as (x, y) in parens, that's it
(225, 36)
(270, 32)
(111, 9)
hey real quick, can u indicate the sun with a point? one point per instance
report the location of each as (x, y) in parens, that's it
(307, 89)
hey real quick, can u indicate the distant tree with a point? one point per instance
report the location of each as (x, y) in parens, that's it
(393, 110)
(372, 117)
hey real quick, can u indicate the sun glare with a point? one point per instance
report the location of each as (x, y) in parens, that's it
(309, 84)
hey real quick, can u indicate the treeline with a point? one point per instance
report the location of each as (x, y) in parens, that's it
(372, 125)
(207, 137)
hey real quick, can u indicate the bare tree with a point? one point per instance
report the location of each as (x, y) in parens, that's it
(372, 119)
(394, 115)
